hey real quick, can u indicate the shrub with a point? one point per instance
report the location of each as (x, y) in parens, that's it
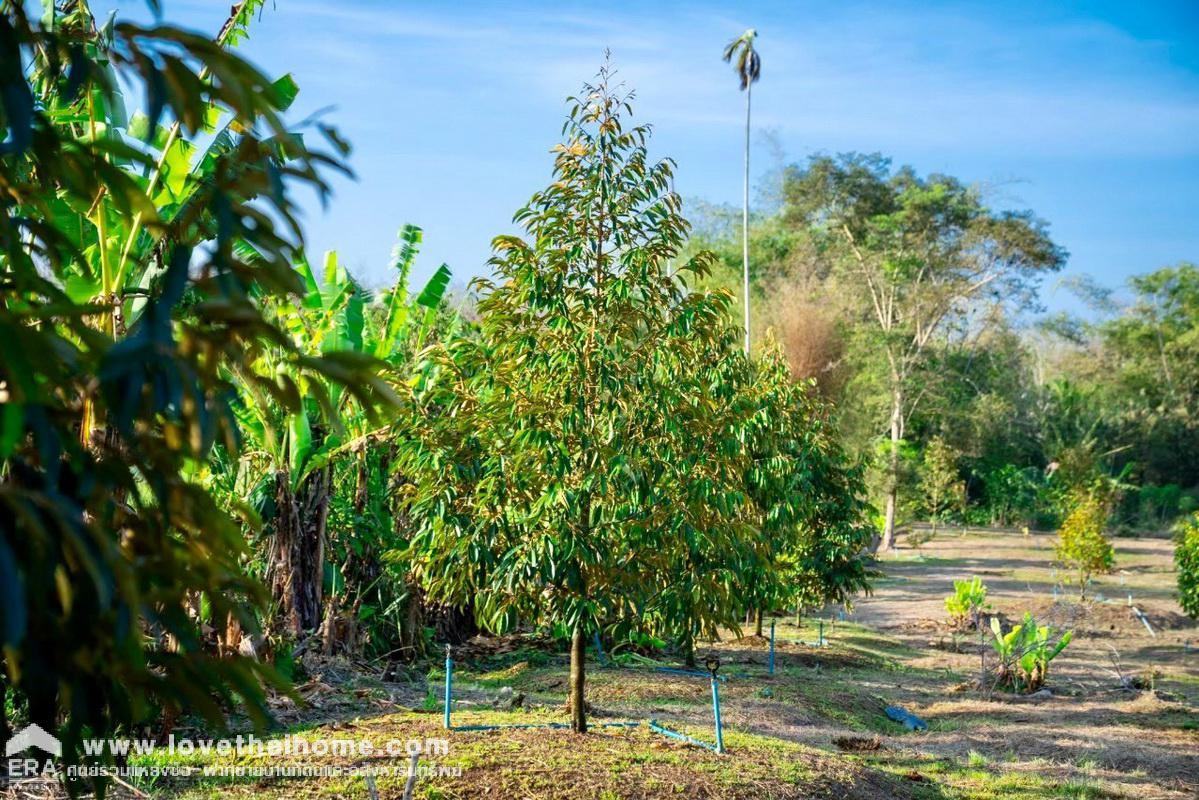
(1081, 545)
(1186, 558)
(939, 479)
(966, 604)
(919, 538)
(1025, 652)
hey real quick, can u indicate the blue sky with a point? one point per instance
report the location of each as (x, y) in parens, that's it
(1085, 112)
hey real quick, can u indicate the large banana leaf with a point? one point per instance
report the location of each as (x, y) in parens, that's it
(1067, 637)
(299, 443)
(344, 303)
(396, 299)
(430, 297)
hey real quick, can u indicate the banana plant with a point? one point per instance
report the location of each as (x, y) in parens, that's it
(397, 326)
(287, 472)
(1025, 652)
(126, 231)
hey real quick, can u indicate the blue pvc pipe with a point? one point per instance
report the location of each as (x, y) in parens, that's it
(820, 638)
(771, 647)
(906, 718)
(716, 713)
(558, 725)
(719, 746)
(682, 737)
(449, 687)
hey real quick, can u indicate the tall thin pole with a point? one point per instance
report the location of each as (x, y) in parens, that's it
(449, 686)
(745, 218)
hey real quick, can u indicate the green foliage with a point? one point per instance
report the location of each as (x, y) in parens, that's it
(967, 603)
(129, 298)
(1081, 544)
(939, 478)
(748, 62)
(332, 462)
(1025, 652)
(915, 257)
(1148, 374)
(1186, 559)
(1157, 505)
(1012, 494)
(807, 494)
(1034, 417)
(589, 430)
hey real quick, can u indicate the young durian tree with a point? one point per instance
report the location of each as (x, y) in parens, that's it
(579, 442)
(806, 496)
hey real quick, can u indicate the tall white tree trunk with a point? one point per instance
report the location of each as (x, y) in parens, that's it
(745, 218)
(893, 469)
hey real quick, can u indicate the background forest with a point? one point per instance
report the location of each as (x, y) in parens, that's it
(1005, 408)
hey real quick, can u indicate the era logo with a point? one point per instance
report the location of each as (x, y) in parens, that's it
(32, 737)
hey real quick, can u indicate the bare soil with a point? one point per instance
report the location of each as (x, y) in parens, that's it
(1140, 743)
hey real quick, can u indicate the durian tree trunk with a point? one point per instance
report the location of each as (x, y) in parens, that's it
(578, 667)
(689, 636)
(578, 641)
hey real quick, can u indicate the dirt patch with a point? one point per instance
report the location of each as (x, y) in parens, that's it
(1094, 729)
(1100, 619)
(858, 744)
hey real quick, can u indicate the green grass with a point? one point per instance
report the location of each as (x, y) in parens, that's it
(539, 761)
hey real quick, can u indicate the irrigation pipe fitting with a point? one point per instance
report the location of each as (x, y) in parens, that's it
(771, 649)
(713, 664)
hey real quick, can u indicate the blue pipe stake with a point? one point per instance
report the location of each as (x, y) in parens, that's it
(820, 637)
(449, 685)
(716, 713)
(771, 647)
(599, 648)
